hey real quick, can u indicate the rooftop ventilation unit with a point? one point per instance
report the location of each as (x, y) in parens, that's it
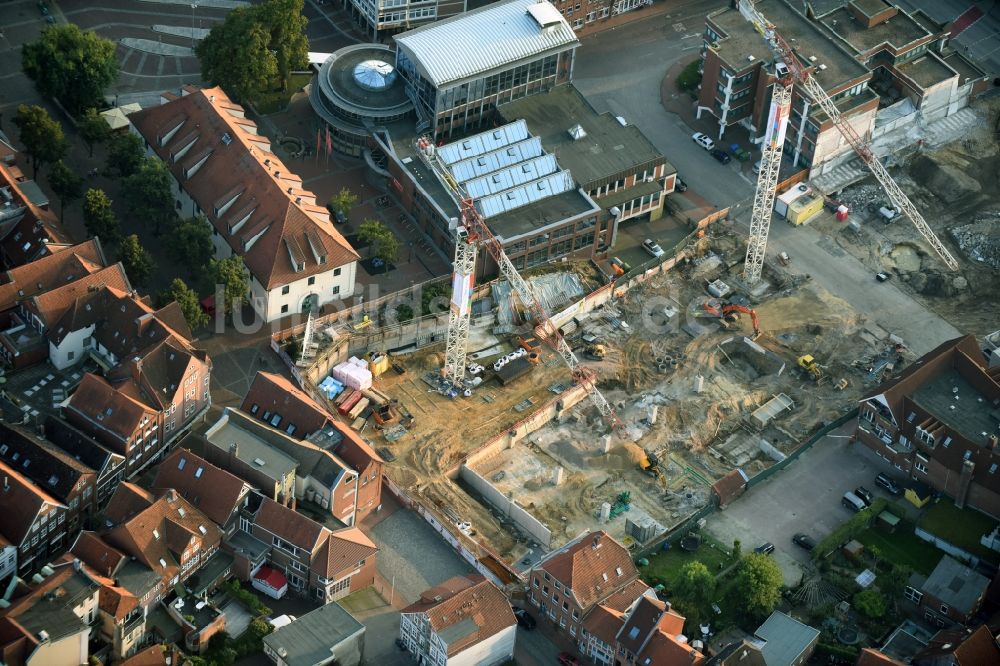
(227, 139)
(576, 132)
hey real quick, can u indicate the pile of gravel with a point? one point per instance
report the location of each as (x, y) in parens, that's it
(980, 240)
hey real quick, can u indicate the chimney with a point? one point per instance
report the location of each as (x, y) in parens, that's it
(992, 442)
(596, 543)
(964, 481)
(234, 453)
(76, 564)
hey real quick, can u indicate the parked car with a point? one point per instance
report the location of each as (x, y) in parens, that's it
(566, 659)
(882, 276)
(524, 619)
(765, 548)
(703, 140)
(887, 483)
(803, 541)
(680, 185)
(853, 502)
(865, 495)
(652, 247)
(721, 155)
(757, 166)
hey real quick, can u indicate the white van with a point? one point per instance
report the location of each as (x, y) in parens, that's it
(853, 502)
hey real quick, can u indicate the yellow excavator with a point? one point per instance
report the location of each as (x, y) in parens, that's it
(809, 364)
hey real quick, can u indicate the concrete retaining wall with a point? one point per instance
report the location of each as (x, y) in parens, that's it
(509, 507)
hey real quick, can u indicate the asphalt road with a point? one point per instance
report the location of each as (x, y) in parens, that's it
(626, 82)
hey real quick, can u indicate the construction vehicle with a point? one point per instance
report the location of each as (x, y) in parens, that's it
(730, 312)
(790, 68)
(471, 232)
(784, 258)
(809, 364)
(650, 464)
(596, 352)
(529, 344)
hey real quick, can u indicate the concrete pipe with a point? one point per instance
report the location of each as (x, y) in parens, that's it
(662, 367)
(674, 364)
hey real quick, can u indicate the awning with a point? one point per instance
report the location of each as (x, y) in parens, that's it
(271, 577)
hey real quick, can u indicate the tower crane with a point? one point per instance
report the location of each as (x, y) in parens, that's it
(791, 71)
(472, 232)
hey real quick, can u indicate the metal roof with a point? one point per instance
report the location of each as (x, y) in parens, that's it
(786, 639)
(504, 168)
(492, 37)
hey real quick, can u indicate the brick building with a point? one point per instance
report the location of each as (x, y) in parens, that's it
(952, 594)
(32, 520)
(29, 230)
(937, 423)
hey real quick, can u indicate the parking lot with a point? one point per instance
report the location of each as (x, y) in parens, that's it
(805, 497)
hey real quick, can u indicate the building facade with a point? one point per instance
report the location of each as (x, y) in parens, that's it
(33, 521)
(382, 17)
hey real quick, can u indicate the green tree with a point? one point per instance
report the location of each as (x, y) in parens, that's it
(71, 64)
(41, 135)
(758, 585)
(694, 590)
(236, 55)
(287, 27)
(136, 260)
(66, 185)
(383, 242)
(232, 275)
(125, 155)
(98, 217)
(93, 129)
(187, 298)
(870, 603)
(190, 242)
(148, 193)
(737, 550)
(343, 201)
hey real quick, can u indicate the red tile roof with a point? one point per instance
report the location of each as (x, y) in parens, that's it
(22, 502)
(730, 486)
(51, 271)
(98, 554)
(872, 657)
(291, 525)
(52, 304)
(666, 650)
(259, 218)
(31, 236)
(482, 602)
(155, 655)
(605, 623)
(342, 552)
(107, 408)
(127, 500)
(593, 566)
(967, 647)
(216, 492)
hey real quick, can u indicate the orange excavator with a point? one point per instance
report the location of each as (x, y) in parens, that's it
(731, 311)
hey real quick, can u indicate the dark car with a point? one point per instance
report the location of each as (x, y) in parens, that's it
(524, 619)
(721, 155)
(865, 495)
(765, 548)
(680, 185)
(882, 276)
(566, 659)
(804, 541)
(886, 482)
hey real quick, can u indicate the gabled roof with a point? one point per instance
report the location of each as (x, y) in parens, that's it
(477, 610)
(593, 566)
(42, 463)
(81, 447)
(209, 146)
(291, 526)
(108, 409)
(98, 554)
(216, 492)
(275, 394)
(53, 304)
(310, 639)
(342, 552)
(667, 650)
(967, 647)
(127, 501)
(873, 657)
(50, 271)
(22, 502)
(36, 231)
(49, 605)
(493, 37)
(642, 620)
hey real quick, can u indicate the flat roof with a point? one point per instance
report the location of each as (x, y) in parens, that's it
(607, 150)
(473, 43)
(786, 638)
(897, 31)
(956, 584)
(967, 70)
(310, 639)
(927, 70)
(807, 39)
(966, 415)
(253, 450)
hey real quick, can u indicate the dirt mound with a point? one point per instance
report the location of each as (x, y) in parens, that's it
(980, 241)
(948, 182)
(905, 258)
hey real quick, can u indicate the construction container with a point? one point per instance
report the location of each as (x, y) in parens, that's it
(804, 208)
(344, 395)
(360, 406)
(378, 364)
(514, 370)
(348, 404)
(782, 201)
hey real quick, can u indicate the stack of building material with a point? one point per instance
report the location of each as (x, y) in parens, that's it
(331, 387)
(353, 373)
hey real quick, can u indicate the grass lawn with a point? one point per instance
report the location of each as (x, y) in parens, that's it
(666, 564)
(959, 527)
(903, 547)
(274, 101)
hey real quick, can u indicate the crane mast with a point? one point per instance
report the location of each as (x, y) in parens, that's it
(471, 233)
(783, 52)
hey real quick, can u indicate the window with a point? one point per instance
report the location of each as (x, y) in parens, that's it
(944, 608)
(312, 280)
(284, 309)
(913, 594)
(920, 467)
(535, 581)
(336, 271)
(284, 290)
(336, 288)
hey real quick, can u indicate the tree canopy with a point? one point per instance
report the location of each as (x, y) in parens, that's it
(758, 586)
(98, 217)
(66, 185)
(148, 194)
(256, 48)
(343, 201)
(41, 135)
(136, 260)
(870, 603)
(694, 590)
(235, 281)
(187, 298)
(73, 65)
(93, 129)
(384, 243)
(190, 242)
(125, 154)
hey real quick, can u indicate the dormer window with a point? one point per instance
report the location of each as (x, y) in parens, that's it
(156, 533)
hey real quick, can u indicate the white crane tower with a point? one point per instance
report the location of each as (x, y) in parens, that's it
(470, 233)
(787, 70)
